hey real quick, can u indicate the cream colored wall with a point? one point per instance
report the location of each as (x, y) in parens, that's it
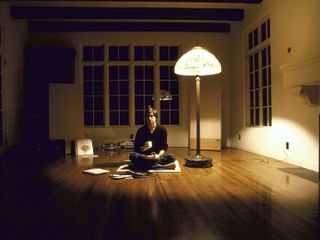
(294, 24)
(177, 135)
(210, 114)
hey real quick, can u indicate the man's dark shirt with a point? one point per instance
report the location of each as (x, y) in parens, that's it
(158, 138)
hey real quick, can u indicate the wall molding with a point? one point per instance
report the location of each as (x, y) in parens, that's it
(302, 72)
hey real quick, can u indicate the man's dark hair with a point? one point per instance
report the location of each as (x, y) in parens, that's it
(151, 110)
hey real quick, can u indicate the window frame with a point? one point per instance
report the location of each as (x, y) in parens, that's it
(131, 62)
(258, 115)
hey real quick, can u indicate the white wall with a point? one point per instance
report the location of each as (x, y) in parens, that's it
(294, 24)
(177, 135)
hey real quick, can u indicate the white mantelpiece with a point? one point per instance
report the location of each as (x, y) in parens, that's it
(304, 73)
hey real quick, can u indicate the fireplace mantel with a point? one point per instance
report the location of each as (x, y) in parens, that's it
(304, 73)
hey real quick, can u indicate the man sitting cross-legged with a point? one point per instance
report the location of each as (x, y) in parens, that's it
(150, 145)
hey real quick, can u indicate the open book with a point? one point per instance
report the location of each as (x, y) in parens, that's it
(96, 171)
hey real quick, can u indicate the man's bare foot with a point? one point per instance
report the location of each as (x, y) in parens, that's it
(168, 166)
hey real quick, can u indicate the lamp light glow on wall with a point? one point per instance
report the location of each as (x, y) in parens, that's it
(197, 62)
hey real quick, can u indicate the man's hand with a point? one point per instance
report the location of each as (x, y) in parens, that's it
(152, 156)
(147, 145)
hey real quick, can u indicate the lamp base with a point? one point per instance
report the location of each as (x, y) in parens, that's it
(198, 161)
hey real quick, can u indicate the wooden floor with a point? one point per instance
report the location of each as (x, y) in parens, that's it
(243, 196)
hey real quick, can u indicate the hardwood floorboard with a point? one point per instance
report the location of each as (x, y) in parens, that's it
(243, 196)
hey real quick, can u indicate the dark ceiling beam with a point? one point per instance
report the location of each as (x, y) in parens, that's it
(62, 26)
(27, 12)
(176, 1)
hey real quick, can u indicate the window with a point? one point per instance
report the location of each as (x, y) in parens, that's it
(143, 53)
(142, 68)
(119, 95)
(93, 85)
(119, 79)
(259, 76)
(144, 91)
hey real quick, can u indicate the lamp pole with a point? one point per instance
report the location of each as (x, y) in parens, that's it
(198, 115)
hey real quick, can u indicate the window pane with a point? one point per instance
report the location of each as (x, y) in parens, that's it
(269, 55)
(88, 118)
(88, 103)
(256, 61)
(256, 99)
(98, 53)
(164, 72)
(124, 88)
(113, 72)
(123, 72)
(256, 80)
(98, 88)
(174, 53)
(263, 32)
(264, 97)
(123, 53)
(138, 53)
(264, 117)
(113, 53)
(114, 103)
(87, 88)
(139, 117)
(149, 87)
(98, 72)
(255, 37)
(174, 87)
(264, 57)
(87, 53)
(114, 118)
(164, 105)
(165, 117)
(164, 85)
(139, 87)
(124, 118)
(139, 102)
(270, 116)
(148, 101)
(175, 117)
(251, 63)
(268, 28)
(98, 103)
(250, 40)
(251, 81)
(174, 102)
(148, 53)
(113, 87)
(269, 75)
(139, 73)
(251, 117)
(164, 53)
(269, 95)
(173, 76)
(87, 73)
(264, 77)
(149, 73)
(257, 118)
(124, 103)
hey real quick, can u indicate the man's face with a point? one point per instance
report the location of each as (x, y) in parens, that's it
(151, 119)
